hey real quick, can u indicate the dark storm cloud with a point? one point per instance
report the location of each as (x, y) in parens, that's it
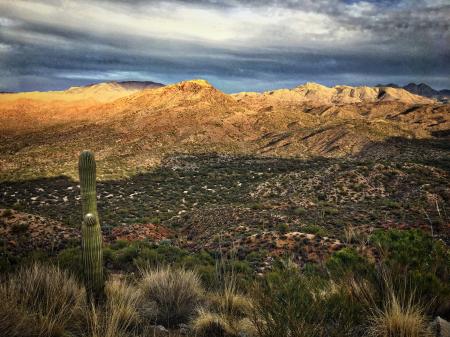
(238, 45)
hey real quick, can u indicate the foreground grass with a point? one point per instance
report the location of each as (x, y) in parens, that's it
(348, 296)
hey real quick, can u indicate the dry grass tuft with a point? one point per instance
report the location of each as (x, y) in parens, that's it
(209, 324)
(226, 315)
(118, 313)
(39, 301)
(169, 295)
(398, 318)
(230, 302)
(392, 307)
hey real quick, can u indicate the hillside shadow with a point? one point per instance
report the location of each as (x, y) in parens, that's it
(185, 182)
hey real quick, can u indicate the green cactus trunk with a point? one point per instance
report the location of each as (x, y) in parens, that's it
(87, 172)
(91, 234)
(92, 256)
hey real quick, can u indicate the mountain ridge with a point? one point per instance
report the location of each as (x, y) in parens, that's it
(135, 129)
(421, 89)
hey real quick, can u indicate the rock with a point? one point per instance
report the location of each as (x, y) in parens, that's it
(183, 329)
(441, 327)
(161, 329)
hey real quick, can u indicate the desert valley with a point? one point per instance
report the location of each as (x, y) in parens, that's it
(334, 179)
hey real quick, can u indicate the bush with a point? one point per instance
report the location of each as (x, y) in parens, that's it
(8, 261)
(169, 295)
(70, 259)
(285, 304)
(347, 262)
(140, 255)
(282, 228)
(289, 303)
(314, 229)
(422, 261)
(39, 301)
(7, 213)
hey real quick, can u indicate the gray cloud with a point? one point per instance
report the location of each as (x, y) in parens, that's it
(237, 45)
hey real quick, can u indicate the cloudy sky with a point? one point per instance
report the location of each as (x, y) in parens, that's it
(237, 45)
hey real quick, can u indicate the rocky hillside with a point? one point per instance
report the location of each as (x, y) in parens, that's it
(132, 127)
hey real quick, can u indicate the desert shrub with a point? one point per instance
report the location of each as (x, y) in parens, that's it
(171, 254)
(117, 315)
(8, 261)
(134, 255)
(256, 206)
(314, 229)
(418, 258)
(203, 264)
(123, 258)
(403, 249)
(256, 256)
(119, 244)
(70, 259)
(19, 228)
(169, 295)
(282, 228)
(285, 305)
(343, 314)
(353, 234)
(347, 262)
(39, 301)
(287, 302)
(7, 213)
(299, 211)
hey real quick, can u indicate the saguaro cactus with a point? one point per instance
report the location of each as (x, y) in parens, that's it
(91, 234)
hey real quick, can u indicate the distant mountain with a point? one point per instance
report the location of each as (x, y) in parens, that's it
(99, 92)
(132, 85)
(421, 89)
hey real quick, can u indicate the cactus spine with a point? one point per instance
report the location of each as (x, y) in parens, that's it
(91, 234)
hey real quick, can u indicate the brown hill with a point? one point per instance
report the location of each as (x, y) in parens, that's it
(132, 129)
